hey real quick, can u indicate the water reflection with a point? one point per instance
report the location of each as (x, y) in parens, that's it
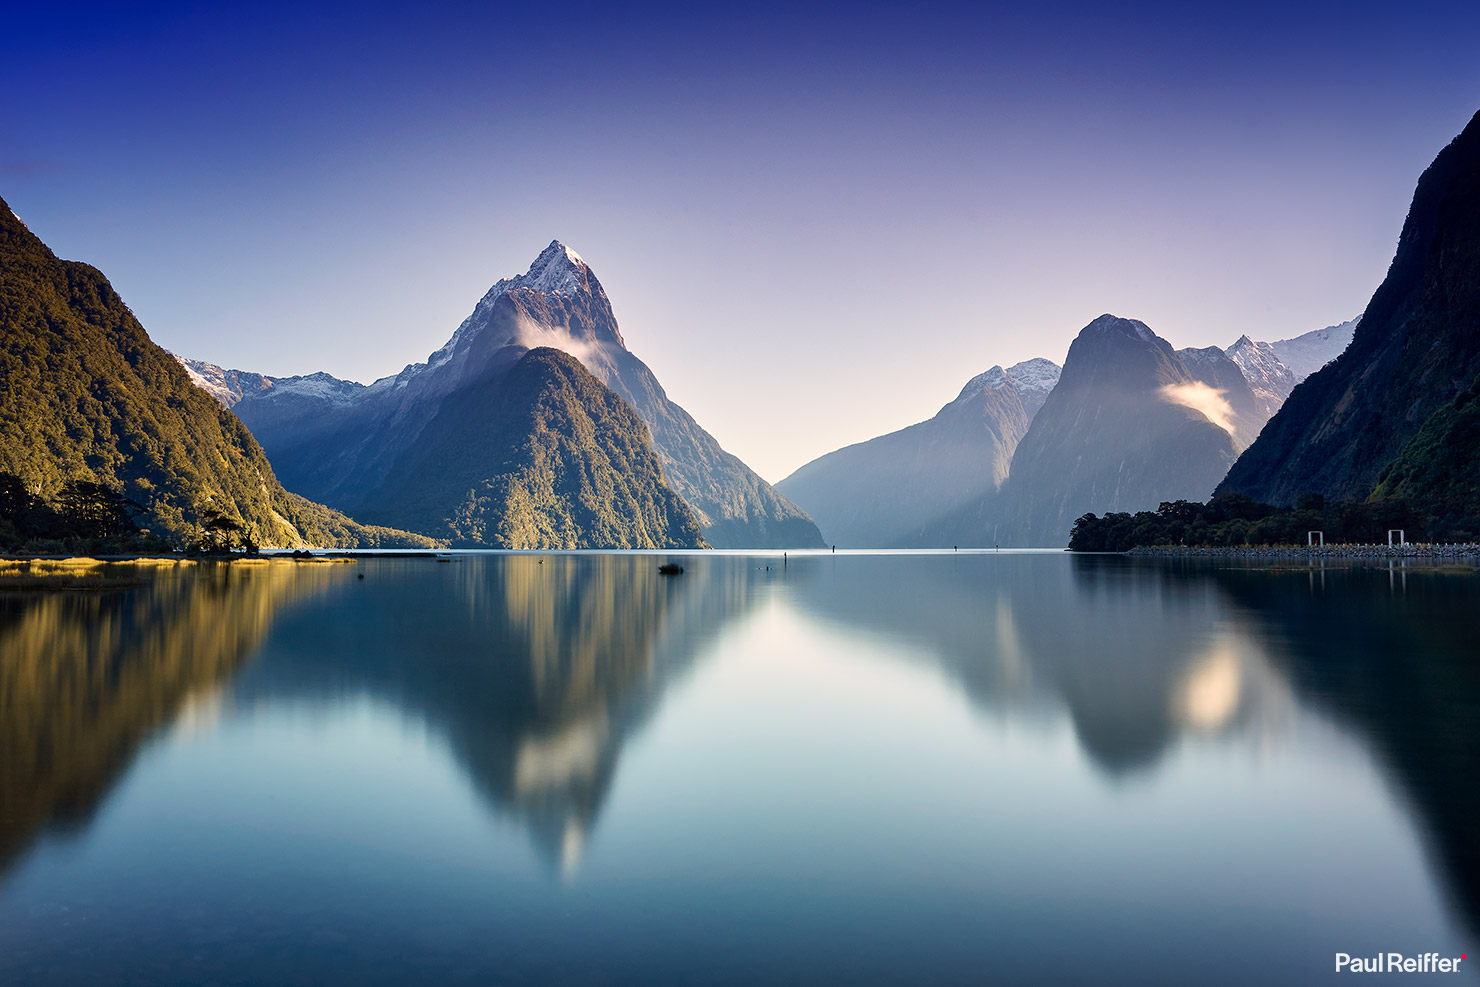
(1135, 662)
(535, 672)
(1392, 655)
(1143, 654)
(86, 678)
(533, 669)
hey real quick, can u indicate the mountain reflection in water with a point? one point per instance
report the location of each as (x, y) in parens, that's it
(86, 678)
(534, 672)
(534, 669)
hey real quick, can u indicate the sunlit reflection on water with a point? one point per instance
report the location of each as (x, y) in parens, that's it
(871, 769)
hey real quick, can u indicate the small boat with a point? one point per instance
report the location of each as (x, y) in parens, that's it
(670, 569)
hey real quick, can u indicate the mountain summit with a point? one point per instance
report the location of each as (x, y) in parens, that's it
(344, 441)
(1129, 425)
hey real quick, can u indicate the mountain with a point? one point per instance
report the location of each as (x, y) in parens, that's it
(1269, 378)
(887, 491)
(86, 395)
(339, 441)
(1305, 354)
(542, 455)
(1245, 412)
(1412, 358)
(1129, 425)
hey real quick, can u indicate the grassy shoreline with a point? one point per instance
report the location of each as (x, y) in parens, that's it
(85, 572)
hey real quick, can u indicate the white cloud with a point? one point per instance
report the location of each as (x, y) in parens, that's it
(1202, 398)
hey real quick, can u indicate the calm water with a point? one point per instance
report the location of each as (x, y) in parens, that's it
(889, 769)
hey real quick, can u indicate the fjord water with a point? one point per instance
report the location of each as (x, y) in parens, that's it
(868, 769)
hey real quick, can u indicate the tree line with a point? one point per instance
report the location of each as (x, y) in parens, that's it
(94, 518)
(1233, 520)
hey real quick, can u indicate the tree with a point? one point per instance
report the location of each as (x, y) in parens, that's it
(221, 533)
(95, 512)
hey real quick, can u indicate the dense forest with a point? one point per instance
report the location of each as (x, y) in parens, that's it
(87, 398)
(541, 456)
(1234, 520)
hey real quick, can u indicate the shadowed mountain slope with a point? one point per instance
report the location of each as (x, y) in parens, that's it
(1415, 350)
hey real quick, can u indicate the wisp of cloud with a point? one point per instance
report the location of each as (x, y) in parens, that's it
(1202, 398)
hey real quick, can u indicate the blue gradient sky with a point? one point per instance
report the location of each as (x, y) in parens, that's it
(814, 223)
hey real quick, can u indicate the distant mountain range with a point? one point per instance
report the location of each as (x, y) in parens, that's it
(354, 446)
(1022, 452)
(535, 426)
(1306, 354)
(886, 492)
(1396, 414)
(85, 395)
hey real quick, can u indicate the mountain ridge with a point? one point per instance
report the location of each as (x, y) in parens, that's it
(1412, 353)
(88, 396)
(341, 452)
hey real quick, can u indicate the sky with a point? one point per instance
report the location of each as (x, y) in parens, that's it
(814, 222)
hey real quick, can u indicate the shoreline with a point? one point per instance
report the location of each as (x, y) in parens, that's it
(1449, 552)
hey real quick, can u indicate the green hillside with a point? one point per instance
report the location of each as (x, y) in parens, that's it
(542, 455)
(85, 395)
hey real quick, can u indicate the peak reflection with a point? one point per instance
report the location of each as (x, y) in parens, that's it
(534, 670)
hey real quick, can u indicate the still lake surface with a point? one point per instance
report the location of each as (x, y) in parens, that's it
(852, 769)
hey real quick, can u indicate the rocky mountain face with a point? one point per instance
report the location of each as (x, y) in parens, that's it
(1130, 424)
(1309, 352)
(1245, 413)
(86, 395)
(341, 441)
(1405, 376)
(887, 492)
(1269, 378)
(541, 455)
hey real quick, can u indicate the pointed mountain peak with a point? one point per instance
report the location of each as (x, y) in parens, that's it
(557, 268)
(1243, 342)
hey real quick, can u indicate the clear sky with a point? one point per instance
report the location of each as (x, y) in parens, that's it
(814, 223)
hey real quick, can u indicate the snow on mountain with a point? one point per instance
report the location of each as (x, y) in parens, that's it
(1201, 357)
(557, 270)
(343, 439)
(1306, 354)
(1034, 379)
(1268, 377)
(211, 379)
(994, 379)
(231, 386)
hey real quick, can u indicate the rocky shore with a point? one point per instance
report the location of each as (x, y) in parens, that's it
(1467, 551)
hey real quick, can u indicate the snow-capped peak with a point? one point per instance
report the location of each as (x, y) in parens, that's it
(1031, 378)
(994, 379)
(1035, 376)
(557, 270)
(1206, 354)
